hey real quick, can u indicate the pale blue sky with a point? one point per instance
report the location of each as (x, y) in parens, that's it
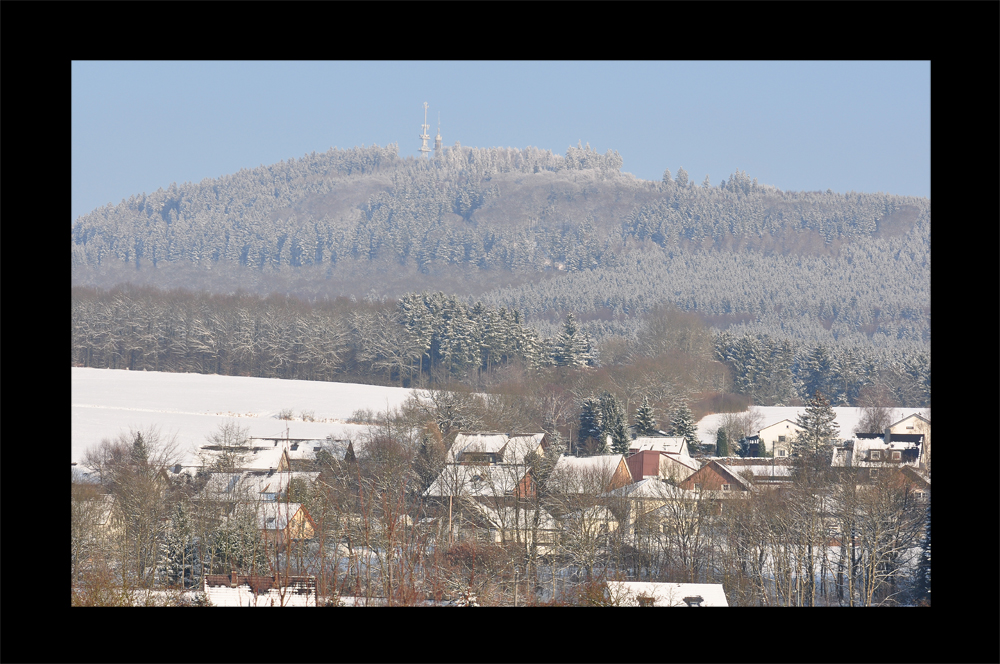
(861, 126)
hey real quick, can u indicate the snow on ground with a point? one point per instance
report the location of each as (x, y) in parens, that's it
(192, 406)
(847, 418)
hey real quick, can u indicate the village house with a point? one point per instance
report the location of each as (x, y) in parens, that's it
(760, 471)
(285, 522)
(495, 448)
(877, 450)
(590, 475)
(777, 438)
(913, 425)
(655, 463)
(718, 480)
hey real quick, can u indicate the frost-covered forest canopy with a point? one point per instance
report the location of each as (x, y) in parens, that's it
(794, 285)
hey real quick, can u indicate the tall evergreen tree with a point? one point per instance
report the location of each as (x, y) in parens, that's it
(683, 424)
(645, 423)
(682, 177)
(179, 561)
(572, 348)
(613, 423)
(721, 443)
(590, 421)
(818, 423)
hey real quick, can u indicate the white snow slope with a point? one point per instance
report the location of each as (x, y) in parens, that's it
(191, 406)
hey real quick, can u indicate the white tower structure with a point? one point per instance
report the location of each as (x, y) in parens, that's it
(425, 136)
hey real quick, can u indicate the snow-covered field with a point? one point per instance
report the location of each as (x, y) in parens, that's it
(847, 419)
(192, 406)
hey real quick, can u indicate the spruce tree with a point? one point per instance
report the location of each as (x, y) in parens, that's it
(590, 421)
(179, 563)
(645, 423)
(818, 424)
(683, 424)
(572, 347)
(721, 443)
(613, 423)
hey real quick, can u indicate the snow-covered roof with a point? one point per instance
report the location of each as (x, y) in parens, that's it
(667, 445)
(585, 474)
(276, 515)
(509, 448)
(668, 594)
(476, 480)
(735, 472)
(856, 452)
(306, 450)
(649, 488)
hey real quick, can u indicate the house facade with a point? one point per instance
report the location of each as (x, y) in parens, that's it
(777, 438)
(718, 480)
(914, 424)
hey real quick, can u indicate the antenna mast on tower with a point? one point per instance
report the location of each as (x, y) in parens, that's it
(425, 136)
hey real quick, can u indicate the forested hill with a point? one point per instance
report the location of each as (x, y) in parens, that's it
(540, 233)
(489, 208)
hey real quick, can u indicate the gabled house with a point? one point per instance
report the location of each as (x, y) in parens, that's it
(718, 480)
(483, 482)
(777, 438)
(302, 454)
(283, 522)
(495, 448)
(654, 463)
(875, 451)
(671, 446)
(590, 475)
(914, 424)
(760, 471)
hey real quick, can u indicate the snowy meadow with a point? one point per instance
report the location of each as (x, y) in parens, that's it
(192, 406)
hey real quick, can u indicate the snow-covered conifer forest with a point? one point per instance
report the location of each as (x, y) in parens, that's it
(781, 278)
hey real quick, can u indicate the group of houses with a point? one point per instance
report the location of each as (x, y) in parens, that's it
(489, 481)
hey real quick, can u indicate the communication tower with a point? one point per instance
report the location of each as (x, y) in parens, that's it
(425, 136)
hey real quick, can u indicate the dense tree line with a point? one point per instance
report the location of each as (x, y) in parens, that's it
(422, 337)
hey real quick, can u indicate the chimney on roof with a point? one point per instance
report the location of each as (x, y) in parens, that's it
(232, 579)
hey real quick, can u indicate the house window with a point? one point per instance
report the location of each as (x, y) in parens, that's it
(876, 455)
(781, 439)
(694, 601)
(895, 456)
(782, 453)
(921, 496)
(725, 487)
(697, 487)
